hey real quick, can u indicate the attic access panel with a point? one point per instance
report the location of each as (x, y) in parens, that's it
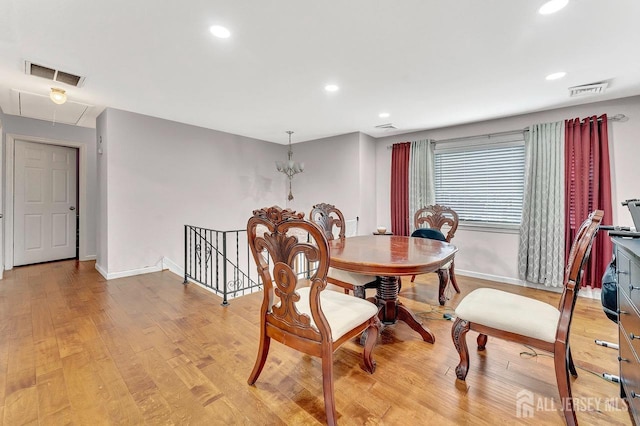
(40, 107)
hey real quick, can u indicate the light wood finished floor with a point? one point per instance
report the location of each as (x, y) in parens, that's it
(76, 349)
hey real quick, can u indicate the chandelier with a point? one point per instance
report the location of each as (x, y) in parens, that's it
(290, 168)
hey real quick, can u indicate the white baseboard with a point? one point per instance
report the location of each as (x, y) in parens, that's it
(489, 277)
(132, 272)
(88, 257)
(588, 292)
(101, 270)
(172, 266)
(164, 263)
(129, 273)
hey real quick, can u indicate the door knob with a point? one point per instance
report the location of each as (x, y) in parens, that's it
(72, 208)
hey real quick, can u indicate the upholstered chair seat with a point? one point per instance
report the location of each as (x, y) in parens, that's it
(343, 312)
(349, 277)
(510, 312)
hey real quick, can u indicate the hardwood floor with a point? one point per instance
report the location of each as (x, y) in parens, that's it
(76, 349)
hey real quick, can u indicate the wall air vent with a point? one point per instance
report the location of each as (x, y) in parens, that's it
(588, 89)
(52, 74)
(388, 126)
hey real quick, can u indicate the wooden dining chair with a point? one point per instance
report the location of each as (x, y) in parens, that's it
(528, 321)
(442, 219)
(305, 318)
(328, 217)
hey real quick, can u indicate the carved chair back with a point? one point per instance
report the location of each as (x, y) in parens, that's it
(437, 217)
(274, 233)
(326, 216)
(578, 256)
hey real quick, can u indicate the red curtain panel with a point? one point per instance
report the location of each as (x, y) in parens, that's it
(400, 188)
(588, 187)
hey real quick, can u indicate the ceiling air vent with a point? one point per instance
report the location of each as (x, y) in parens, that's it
(588, 89)
(41, 71)
(388, 126)
(53, 74)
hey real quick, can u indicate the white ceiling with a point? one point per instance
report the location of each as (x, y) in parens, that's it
(429, 63)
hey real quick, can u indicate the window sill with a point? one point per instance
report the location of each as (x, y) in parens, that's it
(500, 228)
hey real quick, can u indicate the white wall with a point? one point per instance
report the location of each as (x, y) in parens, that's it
(102, 222)
(368, 220)
(29, 127)
(155, 175)
(494, 255)
(339, 170)
(159, 175)
(331, 175)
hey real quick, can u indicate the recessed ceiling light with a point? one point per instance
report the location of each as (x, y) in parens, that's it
(383, 115)
(331, 88)
(556, 75)
(219, 31)
(552, 6)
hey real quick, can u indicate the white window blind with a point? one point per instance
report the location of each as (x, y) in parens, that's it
(483, 181)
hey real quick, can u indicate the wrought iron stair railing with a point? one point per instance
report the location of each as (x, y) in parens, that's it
(213, 259)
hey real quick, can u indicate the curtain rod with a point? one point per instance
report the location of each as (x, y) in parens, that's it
(617, 117)
(488, 135)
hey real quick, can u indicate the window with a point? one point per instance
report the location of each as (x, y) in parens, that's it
(482, 179)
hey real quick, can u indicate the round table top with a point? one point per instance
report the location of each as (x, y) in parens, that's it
(389, 255)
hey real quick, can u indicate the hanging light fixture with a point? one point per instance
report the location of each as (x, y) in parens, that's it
(290, 168)
(58, 96)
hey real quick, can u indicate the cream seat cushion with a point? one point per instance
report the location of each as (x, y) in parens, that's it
(510, 312)
(343, 312)
(350, 277)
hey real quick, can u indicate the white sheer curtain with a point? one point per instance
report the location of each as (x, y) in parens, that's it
(541, 251)
(421, 177)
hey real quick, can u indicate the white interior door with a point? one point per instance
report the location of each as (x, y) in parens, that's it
(45, 188)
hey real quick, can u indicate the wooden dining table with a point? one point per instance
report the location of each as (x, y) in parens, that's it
(389, 257)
